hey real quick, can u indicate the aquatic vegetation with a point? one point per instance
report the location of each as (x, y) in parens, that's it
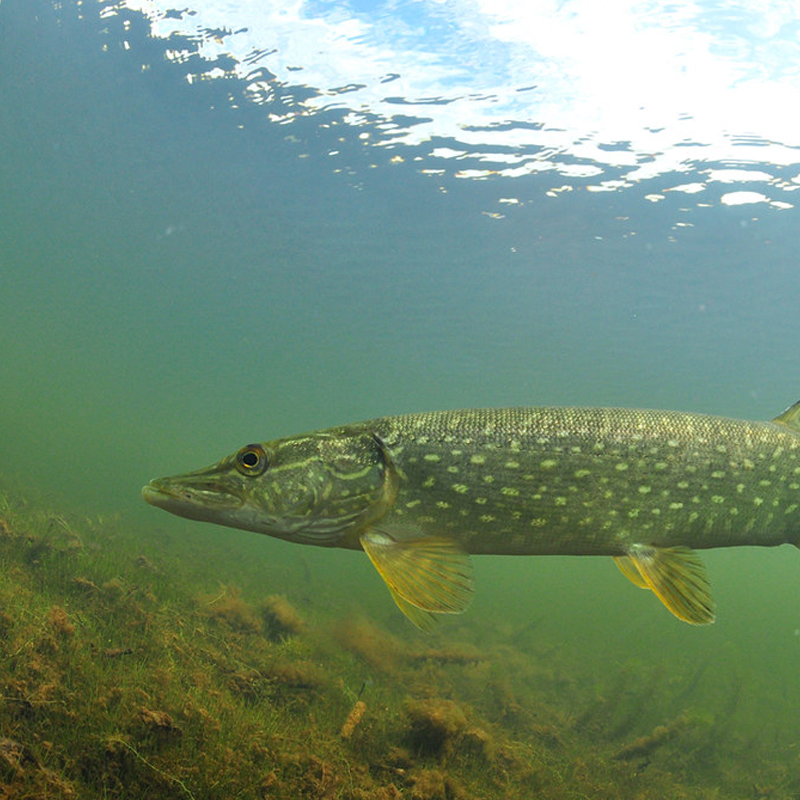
(281, 618)
(120, 676)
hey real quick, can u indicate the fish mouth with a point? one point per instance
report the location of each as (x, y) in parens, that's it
(200, 502)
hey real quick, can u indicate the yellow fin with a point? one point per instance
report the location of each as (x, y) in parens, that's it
(424, 620)
(431, 573)
(678, 578)
(628, 569)
(790, 418)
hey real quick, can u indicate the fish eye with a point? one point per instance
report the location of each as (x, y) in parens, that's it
(251, 460)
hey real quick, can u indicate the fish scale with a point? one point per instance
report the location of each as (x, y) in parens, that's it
(420, 493)
(578, 481)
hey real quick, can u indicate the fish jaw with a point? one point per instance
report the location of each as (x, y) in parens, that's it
(196, 500)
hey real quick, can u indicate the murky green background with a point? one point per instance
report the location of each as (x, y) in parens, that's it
(179, 276)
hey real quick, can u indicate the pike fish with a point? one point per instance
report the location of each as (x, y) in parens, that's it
(419, 493)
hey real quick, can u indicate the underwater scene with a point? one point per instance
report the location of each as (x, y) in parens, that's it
(226, 227)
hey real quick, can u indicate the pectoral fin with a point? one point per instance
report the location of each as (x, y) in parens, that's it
(628, 569)
(425, 574)
(676, 575)
(424, 620)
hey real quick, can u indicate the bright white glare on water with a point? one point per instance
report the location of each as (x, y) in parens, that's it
(641, 88)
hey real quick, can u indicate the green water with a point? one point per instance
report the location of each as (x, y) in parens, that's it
(179, 275)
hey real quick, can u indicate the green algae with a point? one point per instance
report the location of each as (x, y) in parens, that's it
(120, 677)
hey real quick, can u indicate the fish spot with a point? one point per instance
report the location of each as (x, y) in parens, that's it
(692, 468)
(548, 463)
(765, 483)
(757, 501)
(486, 518)
(676, 506)
(510, 491)
(477, 459)
(481, 501)
(683, 484)
(778, 452)
(582, 473)
(633, 513)
(721, 448)
(538, 522)
(442, 504)
(560, 501)
(575, 449)
(645, 489)
(748, 464)
(433, 457)
(413, 503)
(791, 509)
(488, 478)
(672, 443)
(456, 452)
(655, 512)
(739, 488)
(718, 474)
(512, 464)
(734, 511)
(460, 488)
(429, 482)
(452, 469)
(542, 440)
(794, 486)
(621, 466)
(717, 498)
(660, 465)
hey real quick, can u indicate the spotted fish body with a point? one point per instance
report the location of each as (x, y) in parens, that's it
(420, 492)
(594, 481)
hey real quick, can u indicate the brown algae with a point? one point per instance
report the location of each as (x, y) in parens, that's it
(122, 675)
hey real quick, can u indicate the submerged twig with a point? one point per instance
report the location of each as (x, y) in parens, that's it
(353, 719)
(659, 736)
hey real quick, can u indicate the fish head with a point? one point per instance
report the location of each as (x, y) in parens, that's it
(322, 488)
